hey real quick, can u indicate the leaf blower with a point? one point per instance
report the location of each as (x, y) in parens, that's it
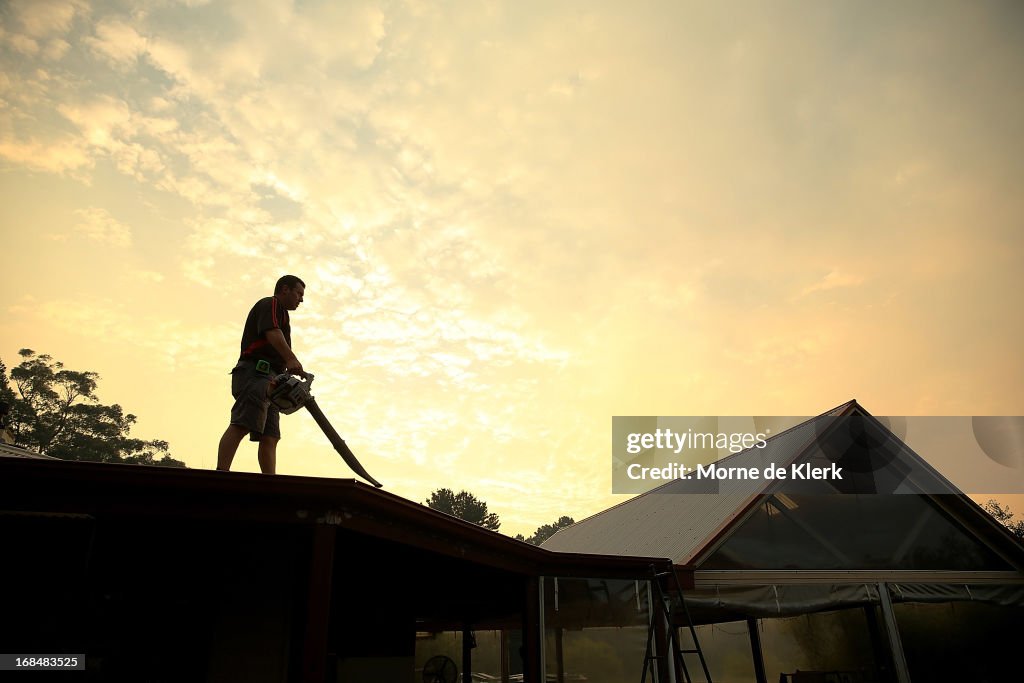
(292, 393)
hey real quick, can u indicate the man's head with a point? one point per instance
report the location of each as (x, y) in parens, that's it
(289, 290)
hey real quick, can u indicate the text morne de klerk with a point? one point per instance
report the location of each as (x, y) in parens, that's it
(716, 471)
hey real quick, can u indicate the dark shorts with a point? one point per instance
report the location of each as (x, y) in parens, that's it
(252, 409)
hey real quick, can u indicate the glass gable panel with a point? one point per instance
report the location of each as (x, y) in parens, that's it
(838, 532)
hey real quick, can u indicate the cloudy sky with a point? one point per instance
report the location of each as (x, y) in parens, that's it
(517, 219)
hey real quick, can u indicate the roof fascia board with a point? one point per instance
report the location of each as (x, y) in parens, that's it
(711, 578)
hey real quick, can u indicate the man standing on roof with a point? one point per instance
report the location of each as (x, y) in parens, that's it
(266, 353)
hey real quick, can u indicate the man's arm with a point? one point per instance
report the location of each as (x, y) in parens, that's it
(275, 338)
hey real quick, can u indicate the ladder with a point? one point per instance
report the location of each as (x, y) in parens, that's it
(662, 610)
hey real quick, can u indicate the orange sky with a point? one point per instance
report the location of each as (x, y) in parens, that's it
(516, 220)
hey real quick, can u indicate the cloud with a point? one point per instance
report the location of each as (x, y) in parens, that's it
(55, 49)
(117, 42)
(167, 339)
(101, 121)
(98, 225)
(137, 143)
(23, 44)
(42, 18)
(324, 35)
(512, 221)
(833, 280)
(59, 156)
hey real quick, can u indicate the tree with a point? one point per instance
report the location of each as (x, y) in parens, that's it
(55, 411)
(464, 505)
(1005, 517)
(546, 531)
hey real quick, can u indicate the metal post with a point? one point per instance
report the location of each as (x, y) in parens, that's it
(899, 660)
(666, 664)
(543, 632)
(532, 673)
(318, 605)
(755, 649)
(883, 667)
(559, 656)
(504, 655)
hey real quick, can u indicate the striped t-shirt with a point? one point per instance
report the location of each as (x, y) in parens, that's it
(267, 314)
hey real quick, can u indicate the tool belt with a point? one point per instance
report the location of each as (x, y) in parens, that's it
(260, 366)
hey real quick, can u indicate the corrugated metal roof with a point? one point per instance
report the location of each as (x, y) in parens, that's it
(10, 451)
(678, 519)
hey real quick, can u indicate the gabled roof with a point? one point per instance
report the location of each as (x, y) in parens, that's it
(681, 520)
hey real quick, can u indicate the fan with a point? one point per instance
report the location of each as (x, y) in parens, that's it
(440, 669)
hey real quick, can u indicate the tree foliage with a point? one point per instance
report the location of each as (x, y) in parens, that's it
(546, 531)
(1005, 517)
(464, 505)
(55, 411)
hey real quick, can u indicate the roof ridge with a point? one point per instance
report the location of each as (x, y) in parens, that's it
(834, 412)
(838, 410)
